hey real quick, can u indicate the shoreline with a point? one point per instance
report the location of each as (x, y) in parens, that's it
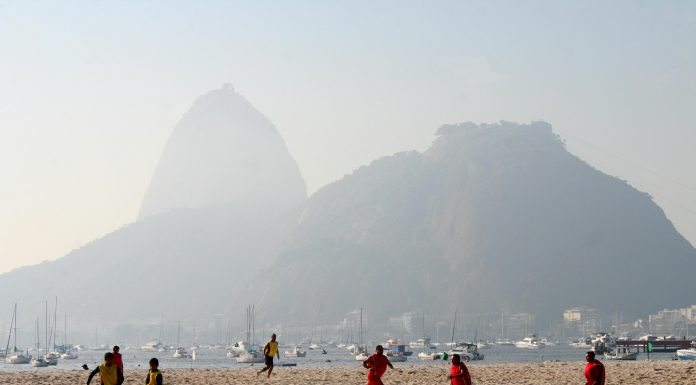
(626, 372)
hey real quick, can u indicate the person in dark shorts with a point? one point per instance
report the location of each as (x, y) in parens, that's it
(109, 373)
(269, 351)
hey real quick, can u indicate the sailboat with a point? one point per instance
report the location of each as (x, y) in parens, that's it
(421, 343)
(51, 356)
(68, 354)
(38, 361)
(17, 357)
(180, 351)
(251, 355)
(361, 349)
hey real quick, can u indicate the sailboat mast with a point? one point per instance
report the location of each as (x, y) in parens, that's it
(454, 324)
(9, 336)
(15, 329)
(46, 316)
(361, 329)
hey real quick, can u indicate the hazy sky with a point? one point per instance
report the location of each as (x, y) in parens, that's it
(90, 91)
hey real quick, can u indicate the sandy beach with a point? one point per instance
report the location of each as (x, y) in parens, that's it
(640, 372)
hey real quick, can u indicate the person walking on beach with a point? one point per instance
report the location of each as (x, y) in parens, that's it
(594, 370)
(269, 351)
(459, 374)
(154, 376)
(377, 365)
(118, 359)
(109, 373)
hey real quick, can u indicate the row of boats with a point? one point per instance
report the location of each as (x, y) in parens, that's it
(15, 356)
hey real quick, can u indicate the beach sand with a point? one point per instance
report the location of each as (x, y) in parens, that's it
(639, 372)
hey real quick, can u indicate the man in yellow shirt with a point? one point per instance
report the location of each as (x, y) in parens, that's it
(269, 351)
(109, 372)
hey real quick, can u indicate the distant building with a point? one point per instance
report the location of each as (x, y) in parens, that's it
(581, 321)
(675, 322)
(689, 313)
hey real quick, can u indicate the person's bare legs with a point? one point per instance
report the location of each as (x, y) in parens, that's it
(269, 371)
(261, 371)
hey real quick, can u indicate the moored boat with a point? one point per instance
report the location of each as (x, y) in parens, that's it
(687, 354)
(295, 352)
(622, 353)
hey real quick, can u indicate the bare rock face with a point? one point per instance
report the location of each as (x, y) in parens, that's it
(491, 217)
(222, 152)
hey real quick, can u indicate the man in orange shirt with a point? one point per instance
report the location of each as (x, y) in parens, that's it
(377, 363)
(594, 370)
(459, 374)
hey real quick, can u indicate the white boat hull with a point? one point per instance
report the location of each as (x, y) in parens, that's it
(686, 354)
(18, 359)
(250, 358)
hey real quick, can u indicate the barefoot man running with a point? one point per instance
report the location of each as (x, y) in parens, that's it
(269, 351)
(377, 363)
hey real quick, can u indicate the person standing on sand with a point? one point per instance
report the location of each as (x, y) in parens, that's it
(269, 351)
(118, 359)
(459, 374)
(109, 373)
(594, 370)
(377, 363)
(154, 376)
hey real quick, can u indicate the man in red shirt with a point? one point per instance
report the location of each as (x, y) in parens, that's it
(118, 359)
(594, 370)
(377, 363)
(459, 374)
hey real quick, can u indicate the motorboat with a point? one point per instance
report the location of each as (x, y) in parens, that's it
(39, 362)
(547, 342)
(362, 356)
(421, 343)
(296, 352)
(622, 353)
(253, 357)
(68, 355)
(232, 354)
(484, 345)
(395, 356)
(429, 356)
(466, 351)
(314, 346)
(529, 343)
(51, 358)
(397, 347)
(180, 353)
(152, 346)
(239, 347)
(687, 354)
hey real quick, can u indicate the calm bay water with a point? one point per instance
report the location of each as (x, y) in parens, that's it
(136, 360)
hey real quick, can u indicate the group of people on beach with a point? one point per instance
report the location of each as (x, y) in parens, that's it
(111, 371)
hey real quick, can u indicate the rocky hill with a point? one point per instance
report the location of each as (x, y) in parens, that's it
(223, 197)
(224, 152)
(490, 217)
